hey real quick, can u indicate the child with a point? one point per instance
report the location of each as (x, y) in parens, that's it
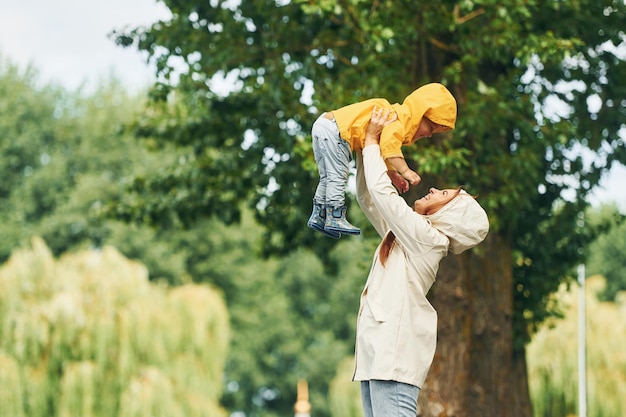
(427, 110)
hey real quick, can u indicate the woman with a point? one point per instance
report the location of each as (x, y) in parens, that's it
(397, 326)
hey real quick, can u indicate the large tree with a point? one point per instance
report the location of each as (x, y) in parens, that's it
(535, 81)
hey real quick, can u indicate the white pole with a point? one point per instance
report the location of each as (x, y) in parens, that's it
(582, 356)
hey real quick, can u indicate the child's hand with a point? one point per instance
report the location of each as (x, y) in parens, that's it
(412, 177)
(400, 183)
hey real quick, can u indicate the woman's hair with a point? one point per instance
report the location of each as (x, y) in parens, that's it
(435, 207)
(390, 238)
(385, 248)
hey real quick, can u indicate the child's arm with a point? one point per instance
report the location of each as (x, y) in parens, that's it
(407, 173)
(400, 183)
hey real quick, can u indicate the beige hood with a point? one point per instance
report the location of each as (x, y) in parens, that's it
(463, 221)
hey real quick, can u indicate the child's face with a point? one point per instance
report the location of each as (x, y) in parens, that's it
(426, 129)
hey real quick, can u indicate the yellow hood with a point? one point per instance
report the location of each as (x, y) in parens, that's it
(431, 100)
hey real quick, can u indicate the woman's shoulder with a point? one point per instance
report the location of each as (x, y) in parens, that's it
(418, 236)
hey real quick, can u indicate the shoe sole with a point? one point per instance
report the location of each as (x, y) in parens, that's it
(329, 233)
(343, 231)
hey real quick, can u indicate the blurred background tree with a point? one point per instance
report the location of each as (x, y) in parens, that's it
(345, 395)
(68, 153)
(89, 335)
(607, 254)
(553, 357)
(64, 155)
(538, 84)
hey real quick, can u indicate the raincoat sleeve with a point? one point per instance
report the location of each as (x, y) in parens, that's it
(364, 199)
(391, 141)
(412, 230)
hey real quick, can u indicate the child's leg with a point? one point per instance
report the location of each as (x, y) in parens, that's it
(337, 165)
(317, 220)
(319, 132)
(336, 155)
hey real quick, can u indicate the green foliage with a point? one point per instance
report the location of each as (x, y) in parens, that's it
(89, 335)
(291, 318)
(345, 395)
(487, 53)
(265, 359)
(64, 156)
(607, 254)
(29, 132)
(552, 357)
(11, 394)
(506, 62)
(27, 123)
(45, 122)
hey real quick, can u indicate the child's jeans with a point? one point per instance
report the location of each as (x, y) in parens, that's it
(333, 156)
(389, 399)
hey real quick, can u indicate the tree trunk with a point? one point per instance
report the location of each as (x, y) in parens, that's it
(475, 372)
(519, 383)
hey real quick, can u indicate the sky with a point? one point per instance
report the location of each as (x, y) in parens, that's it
(67, 42)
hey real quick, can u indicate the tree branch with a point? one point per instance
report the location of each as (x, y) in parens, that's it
(460, 20)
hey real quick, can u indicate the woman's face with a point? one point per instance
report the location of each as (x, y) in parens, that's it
(434, 200)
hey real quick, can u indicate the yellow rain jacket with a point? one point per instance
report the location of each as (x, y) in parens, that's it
(431, 100)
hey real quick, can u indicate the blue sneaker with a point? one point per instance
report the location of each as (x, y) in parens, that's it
(318, 220)
(336, 222)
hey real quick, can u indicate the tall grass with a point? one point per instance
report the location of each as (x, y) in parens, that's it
(553, 361)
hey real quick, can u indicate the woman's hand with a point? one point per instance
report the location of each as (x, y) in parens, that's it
(380, 119)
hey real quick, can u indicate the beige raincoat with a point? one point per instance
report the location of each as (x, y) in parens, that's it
(397, 326)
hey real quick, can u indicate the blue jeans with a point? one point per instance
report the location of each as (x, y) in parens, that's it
(389, 399)
(333, 156)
